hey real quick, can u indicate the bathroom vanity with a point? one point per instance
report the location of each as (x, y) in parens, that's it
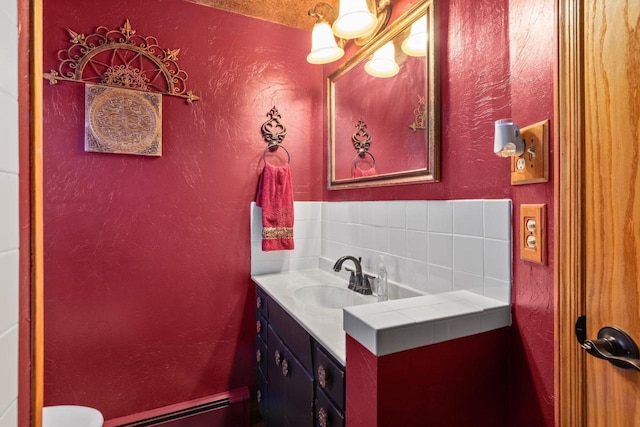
(307, 320)
(298, 380)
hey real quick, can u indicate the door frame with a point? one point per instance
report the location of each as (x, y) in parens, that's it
(570, 360)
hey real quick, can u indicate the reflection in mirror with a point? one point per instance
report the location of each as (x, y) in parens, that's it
(386, 93)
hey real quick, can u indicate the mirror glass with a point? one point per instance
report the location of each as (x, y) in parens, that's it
(385, 130)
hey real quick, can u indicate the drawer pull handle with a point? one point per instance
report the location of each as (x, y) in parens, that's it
(285, 367)
(322, 376)
(259, 396)
(258, 326)
(323, 417)
(277, 358)
(258, 356)
(258, 302)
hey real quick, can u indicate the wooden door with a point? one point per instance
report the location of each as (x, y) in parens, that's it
(612, 200)
(597, 221)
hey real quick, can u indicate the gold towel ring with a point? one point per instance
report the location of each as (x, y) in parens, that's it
(273, 147)
(359, 156)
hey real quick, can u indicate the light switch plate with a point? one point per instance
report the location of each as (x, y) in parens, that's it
(533, 165)
(533, 233)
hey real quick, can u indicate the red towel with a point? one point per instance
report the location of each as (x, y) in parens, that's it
(357, 172)
(275, 197)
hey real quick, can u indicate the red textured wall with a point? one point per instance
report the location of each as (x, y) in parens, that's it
(456, 383)
(497, 61)
(148, 300)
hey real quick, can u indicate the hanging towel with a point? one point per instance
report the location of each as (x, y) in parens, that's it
(357, 172)
(275, 197)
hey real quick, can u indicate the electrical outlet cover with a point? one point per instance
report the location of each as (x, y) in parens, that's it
(533, 165)
(533, 229)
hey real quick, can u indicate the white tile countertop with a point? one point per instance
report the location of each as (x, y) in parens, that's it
(383, 327)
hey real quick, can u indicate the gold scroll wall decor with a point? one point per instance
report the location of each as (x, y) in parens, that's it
(121, 58)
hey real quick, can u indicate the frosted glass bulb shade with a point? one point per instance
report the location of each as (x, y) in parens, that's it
(354, 20)
(324, 48)
(416, 43)
(383, 63)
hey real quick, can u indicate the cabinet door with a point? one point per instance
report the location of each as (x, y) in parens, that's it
(290, 387)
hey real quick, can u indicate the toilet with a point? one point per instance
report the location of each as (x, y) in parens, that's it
(71, 416)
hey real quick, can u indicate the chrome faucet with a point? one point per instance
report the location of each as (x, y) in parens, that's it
(357, 282)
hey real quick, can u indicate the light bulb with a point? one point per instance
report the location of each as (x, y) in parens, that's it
(383, 63)
(324, 48)
(354, 20)
(416, 43)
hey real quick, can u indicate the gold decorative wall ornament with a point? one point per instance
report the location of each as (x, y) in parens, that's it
(361, 138)
(122, 121)
(121, 58)
(420, 115)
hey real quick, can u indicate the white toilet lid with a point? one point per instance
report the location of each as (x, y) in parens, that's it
(71, 416)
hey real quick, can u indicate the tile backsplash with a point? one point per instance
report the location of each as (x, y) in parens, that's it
(431, 246)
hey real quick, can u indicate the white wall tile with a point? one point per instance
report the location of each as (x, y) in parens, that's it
(381, 239)
(468, 217)
(366, 213)
(440, 250)
(417, 218)
(440, 216)
(467, 281)
(380, 214)
(10, 417)
(9, 51)
(9, 266)
(440, 279)
(497, 219)
(397, 215)
(9, 126)
(398, 242)
(497, 289)
(497, 262)
(468, 254)
(417, 275)
(9, 219)
(417, 244)
(455, 253)
(8, 367)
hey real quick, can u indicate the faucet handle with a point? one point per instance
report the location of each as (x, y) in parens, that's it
(352, 278)
(366, 285)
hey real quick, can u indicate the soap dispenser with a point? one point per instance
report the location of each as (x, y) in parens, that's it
(381, 281)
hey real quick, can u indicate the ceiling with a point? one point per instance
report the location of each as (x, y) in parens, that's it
(292, 13)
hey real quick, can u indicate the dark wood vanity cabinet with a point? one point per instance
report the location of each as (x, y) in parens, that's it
(298, 382)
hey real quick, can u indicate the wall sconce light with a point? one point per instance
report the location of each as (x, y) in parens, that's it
(383, 63)
(507, 141)
(355, 21)
(416, 43)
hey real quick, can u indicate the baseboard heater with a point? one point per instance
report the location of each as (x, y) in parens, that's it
(229, 409)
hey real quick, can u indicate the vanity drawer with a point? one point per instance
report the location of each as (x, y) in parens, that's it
(262, 396)
(327, 415)
(290, 331)
(329, 375)
(262, 355)
(261, 327)
(262, 303)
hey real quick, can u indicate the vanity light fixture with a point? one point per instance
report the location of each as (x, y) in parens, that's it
(354, 21)
(416, 43)
(383, 64)
(507, 140)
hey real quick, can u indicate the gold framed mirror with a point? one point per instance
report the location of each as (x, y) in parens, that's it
(386, 130)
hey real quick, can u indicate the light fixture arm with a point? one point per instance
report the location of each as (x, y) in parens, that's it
(316, 11)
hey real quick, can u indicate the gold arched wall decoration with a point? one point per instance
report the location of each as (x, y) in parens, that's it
(121, 58)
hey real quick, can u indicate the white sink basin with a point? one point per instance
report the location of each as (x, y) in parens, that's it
(331, 297)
